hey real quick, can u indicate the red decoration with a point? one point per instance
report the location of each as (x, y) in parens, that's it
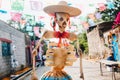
(60, 35)
(69, 22)
(117, 20)
(5, 40)
(65, 43)
(53, 23)
(41, 17)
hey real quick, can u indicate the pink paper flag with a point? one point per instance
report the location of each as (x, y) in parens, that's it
(15, 16)
(101, 6)
(36, 5)
(36, 31)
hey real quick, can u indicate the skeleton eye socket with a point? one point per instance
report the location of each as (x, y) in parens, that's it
(67, 19)
(61, 19)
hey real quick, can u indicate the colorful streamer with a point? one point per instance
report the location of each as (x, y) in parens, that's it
(36, 31)
(36, 5)
(110, 5)
(101, 6)
(17, 5)
(3, 11)
(16, 16)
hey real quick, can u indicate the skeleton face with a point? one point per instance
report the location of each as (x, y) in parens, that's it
(62, 20)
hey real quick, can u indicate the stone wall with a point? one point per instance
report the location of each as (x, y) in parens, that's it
(97, 36)
(18, 39)
(95, 43)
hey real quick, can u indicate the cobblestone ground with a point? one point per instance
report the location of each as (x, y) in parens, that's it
(91, 71)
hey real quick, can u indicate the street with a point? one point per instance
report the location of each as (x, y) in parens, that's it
(32, 31)
(91, 71)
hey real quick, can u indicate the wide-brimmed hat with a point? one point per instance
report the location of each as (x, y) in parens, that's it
(62, 6)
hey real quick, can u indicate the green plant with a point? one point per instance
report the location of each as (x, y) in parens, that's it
(83, 44)
(111, 11)
(44, 47)
(22, 66)
(106, 45)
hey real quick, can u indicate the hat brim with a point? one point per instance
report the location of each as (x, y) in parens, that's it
(72, 11)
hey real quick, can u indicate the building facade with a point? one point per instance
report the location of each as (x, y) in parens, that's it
(97, 39)
(12, 49)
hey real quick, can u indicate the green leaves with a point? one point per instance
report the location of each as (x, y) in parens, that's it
(109, 14)
(83, 42)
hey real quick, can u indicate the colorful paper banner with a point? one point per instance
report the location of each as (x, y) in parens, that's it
(110, 5)
(16, 16)
(28, 28)
(17, 5)
(36, 5)
(36, 31)
(101, 6)
(3, 11)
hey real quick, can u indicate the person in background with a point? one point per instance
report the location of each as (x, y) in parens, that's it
(113, 44)
(44, 48)
(111, 57)
(115, 48)
(39, 59)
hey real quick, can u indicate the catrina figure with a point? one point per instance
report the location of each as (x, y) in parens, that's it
(62, 54)
(61, 13)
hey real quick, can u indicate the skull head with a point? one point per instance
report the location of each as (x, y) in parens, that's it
(62, 20)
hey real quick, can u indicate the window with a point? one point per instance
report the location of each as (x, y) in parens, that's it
(6, 49)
